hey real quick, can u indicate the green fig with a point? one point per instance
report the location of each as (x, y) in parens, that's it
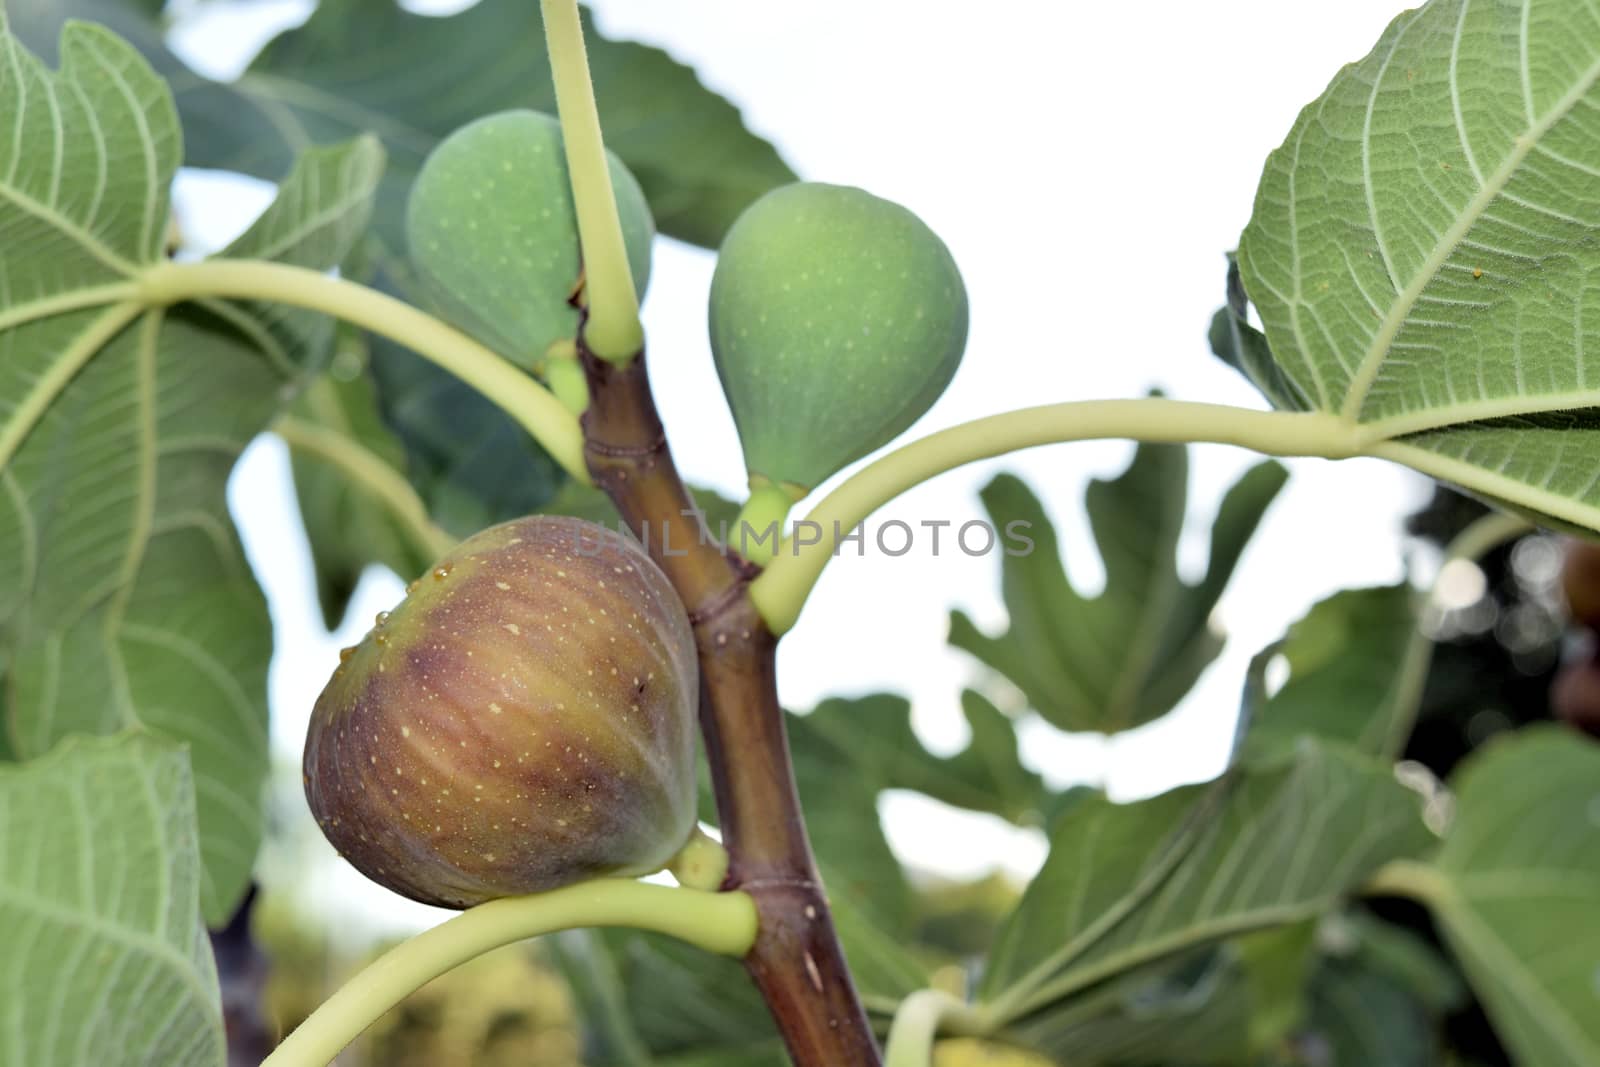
(523, 720)
(837, 319)
(494, 236)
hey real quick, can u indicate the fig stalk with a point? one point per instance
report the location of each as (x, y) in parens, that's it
(612, 331)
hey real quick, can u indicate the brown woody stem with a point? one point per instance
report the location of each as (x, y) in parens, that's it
(796, 962)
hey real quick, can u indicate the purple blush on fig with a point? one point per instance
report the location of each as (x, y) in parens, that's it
(523, 720)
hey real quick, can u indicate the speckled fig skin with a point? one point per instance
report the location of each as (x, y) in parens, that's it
(523, 720)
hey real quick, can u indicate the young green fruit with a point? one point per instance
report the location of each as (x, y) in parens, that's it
(837, 319)
(523, 720)
(494, 236)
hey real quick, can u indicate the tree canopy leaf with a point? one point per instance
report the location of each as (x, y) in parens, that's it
(1520, 873)
(1356, 666)
(1422, 251)
(106, 957)
(1127, 656)
(1267, 845)
(131, 600)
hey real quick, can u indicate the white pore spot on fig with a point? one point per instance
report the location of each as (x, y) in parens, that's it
(494, 709)
(405, 731)
(488, 857)
(497, 763)
(514, 628)
(501, 585)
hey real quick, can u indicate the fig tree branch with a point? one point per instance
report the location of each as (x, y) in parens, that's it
(796, 961)
(782, 589)
(612, 331)
(724, 923)
(533, 406)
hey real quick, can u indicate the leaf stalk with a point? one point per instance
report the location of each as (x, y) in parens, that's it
(368, 472)
(781, 590)
(724, 923)
(533, 406)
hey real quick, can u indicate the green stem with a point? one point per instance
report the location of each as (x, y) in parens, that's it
(612, 331)
(1473, 543)
(918, 1022)
(724, 923)
(1408, 878)
(525, 400)
(564, 374)
(767, 508)
(781, 591)
(367, 471)
(1485, 535)
(701, 864)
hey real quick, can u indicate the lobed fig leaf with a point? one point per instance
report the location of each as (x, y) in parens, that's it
(523, 720)
(494, 235)
(837, 319)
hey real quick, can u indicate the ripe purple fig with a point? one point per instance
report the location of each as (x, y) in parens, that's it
(523, 720)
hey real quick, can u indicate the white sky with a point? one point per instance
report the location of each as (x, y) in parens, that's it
(1089, 165)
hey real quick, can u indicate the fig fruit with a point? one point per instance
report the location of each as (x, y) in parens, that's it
(837, 319)
(1575, 695)
(1580, 582)
(494, 236)
(523, 720)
